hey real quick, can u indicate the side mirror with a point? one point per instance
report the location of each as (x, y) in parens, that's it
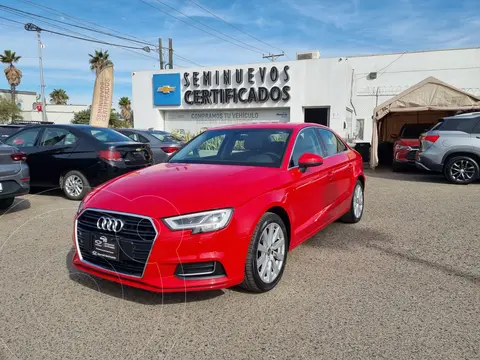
(309, 160)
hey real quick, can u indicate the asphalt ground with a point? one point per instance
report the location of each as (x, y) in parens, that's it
(404, 283)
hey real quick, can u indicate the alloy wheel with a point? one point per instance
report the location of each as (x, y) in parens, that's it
(73, 185)
(358, 201)
(270, 253)
(462, 170)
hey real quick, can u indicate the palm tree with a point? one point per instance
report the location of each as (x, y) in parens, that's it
(13, 74)
(99, 60)
(58, 97)
(125, 108)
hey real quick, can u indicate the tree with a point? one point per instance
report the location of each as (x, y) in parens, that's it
(83, 117)
(13, 74)
(99, 60)
(58, 97)
(9, 111)
(125, 108)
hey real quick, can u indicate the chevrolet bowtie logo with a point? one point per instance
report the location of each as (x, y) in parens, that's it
(166, 89)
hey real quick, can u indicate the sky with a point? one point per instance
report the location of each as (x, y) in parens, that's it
(334, 27)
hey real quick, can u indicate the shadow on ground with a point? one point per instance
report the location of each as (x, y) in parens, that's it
(406, 175)
(19, 205)
(348, 237)
(133, 294)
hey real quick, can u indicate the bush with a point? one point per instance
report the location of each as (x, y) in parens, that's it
(83, 117)
(9, 111)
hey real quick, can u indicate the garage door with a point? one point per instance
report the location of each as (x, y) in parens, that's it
(194, 121)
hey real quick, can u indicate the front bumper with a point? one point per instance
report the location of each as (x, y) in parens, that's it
(169, 251)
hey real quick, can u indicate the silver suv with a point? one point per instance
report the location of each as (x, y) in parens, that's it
(452, 147)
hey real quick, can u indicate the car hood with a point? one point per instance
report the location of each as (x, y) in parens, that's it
(170, 189)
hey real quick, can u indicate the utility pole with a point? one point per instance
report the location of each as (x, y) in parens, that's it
(42, 85)
(170, 53)
(160, 53)
(273, 57)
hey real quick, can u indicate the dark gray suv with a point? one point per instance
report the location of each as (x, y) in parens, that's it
(452, 147)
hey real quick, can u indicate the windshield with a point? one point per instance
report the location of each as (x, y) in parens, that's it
(106, 134)
(413, 131)
(252, 147)
(165, 136)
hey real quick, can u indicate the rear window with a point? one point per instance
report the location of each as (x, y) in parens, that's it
(106, 135)
(5, 131)
(413, 131)
(457, 124)
(165, 136)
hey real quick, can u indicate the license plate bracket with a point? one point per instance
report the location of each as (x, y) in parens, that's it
(106, 247)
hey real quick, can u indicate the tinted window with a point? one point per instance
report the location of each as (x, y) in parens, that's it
(142, 139)
(476, 130)
(413, 131)
(57, 137)
(331, 143)
(253, 147)
(165, 136)
(132, 136)
(458, 124)
(5, 131)
(306, 142)
(106, 135)
(24, 138)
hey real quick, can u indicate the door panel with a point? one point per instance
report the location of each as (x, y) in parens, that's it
(308, 194)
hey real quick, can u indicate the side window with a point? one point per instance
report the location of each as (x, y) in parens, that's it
(132, 136)
(333, 145)
(24, 138)
(476, 129)
(57, 137)
(306, 142)
(142, 139)
(457, 124)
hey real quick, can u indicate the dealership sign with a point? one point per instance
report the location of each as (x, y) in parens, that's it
(252, 85)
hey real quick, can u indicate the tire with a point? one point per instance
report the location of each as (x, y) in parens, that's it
(254, 281)
(461, 170)
(353, 216)
(6, 203)
(69, 182)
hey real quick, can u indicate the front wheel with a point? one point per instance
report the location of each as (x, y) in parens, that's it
(75, 185)
(461, 170)
(267, 254)
(355, 212)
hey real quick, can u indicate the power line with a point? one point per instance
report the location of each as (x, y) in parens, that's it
(235, 27)
(125, 47)
(198, 28)
(207, 26)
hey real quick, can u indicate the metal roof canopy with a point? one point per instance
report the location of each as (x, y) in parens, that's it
(429, 94)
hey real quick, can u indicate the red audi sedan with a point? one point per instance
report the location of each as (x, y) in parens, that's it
(225, 210)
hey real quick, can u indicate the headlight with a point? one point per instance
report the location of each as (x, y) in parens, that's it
(402, 147)
(200, 222)
(80, 207)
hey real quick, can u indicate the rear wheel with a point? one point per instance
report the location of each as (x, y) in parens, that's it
(267, 254)
(75, 185)
(356, 207)
(461, 170)
(6, 203)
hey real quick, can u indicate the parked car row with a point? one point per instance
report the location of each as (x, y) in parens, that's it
(75, 158)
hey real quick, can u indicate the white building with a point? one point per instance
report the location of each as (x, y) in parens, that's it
(58, 114)
(339, 92)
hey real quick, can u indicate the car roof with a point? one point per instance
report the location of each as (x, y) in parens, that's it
(267, 125)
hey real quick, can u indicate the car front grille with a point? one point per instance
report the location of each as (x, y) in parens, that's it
(411, 155)
(135, 241)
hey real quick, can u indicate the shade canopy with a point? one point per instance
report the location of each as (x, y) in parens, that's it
(430, 94)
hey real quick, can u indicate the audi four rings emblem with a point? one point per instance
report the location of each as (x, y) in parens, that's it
(110, 224)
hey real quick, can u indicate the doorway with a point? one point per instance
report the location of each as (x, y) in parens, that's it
(318, 115)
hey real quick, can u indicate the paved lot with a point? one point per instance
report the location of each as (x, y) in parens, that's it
(402, 284)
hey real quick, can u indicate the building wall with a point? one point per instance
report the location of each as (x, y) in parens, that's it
(398, 72)
(59, 114)
(313, 83)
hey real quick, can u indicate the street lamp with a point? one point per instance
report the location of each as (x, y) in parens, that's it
(33, 27)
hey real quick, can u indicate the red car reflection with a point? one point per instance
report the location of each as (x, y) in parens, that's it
(224, 211)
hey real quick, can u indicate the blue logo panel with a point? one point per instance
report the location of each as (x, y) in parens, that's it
(167, 90)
